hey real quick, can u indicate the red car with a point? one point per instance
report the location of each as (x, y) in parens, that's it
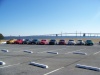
(62, 42)
(18, 41)
(43, 42)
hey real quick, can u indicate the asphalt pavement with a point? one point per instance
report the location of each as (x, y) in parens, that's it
(64, 63)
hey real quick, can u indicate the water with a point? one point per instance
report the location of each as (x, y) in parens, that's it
(48, 37)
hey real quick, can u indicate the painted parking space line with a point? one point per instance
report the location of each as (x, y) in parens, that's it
(39, 48)
(17, 51)
(75, 51)
(10, 65)
(29, 49)
(62, 49)
(96, 53)
(54, 71)
(52, 50)
(11, 49)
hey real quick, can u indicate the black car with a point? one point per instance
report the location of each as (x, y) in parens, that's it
(34, 41)
(89, 42)
(53, 42)
(25, 41)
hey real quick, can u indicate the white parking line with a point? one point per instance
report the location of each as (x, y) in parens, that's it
(96, 53)
(54, 71)
(18, 51)
(38, 48)
(29, 49)
(75, 51)
(52, 50)
(62, 49)
(9, 65)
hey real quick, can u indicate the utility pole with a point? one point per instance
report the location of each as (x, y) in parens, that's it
(80, 33)
(76, 33)
(61, 33)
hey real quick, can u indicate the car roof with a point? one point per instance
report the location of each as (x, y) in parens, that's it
(35, 39)
(62, 40)
(19, 39)
(88, 40)
(52, 39)
(71, 40)
(43, 40)
(79, 40)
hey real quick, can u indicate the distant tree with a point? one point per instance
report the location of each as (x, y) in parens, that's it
(1, 36)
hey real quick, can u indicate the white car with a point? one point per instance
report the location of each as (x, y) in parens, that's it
(71, 42)
(80, 42)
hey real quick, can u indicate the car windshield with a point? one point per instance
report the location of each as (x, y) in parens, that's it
(79, 40)
(11, 39)
(35, 40)
(89, 41)
(43, 40)
(30, 40)
(71, 40)
(52, 40)
(25, 40)
(19, 39)
(62, 40)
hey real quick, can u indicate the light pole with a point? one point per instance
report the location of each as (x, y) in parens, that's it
(76, 33)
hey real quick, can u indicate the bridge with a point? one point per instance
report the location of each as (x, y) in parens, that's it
(74, 34)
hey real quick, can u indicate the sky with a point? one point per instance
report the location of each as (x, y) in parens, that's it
(37, 17)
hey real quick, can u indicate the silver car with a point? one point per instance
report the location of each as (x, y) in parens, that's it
(80, 42)
(71, 42)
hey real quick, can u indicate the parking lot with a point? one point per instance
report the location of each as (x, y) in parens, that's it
(18, 62)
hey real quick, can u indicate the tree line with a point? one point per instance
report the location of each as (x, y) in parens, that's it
(1, 36)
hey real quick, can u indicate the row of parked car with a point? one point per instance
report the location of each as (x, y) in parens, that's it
(51, 42)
